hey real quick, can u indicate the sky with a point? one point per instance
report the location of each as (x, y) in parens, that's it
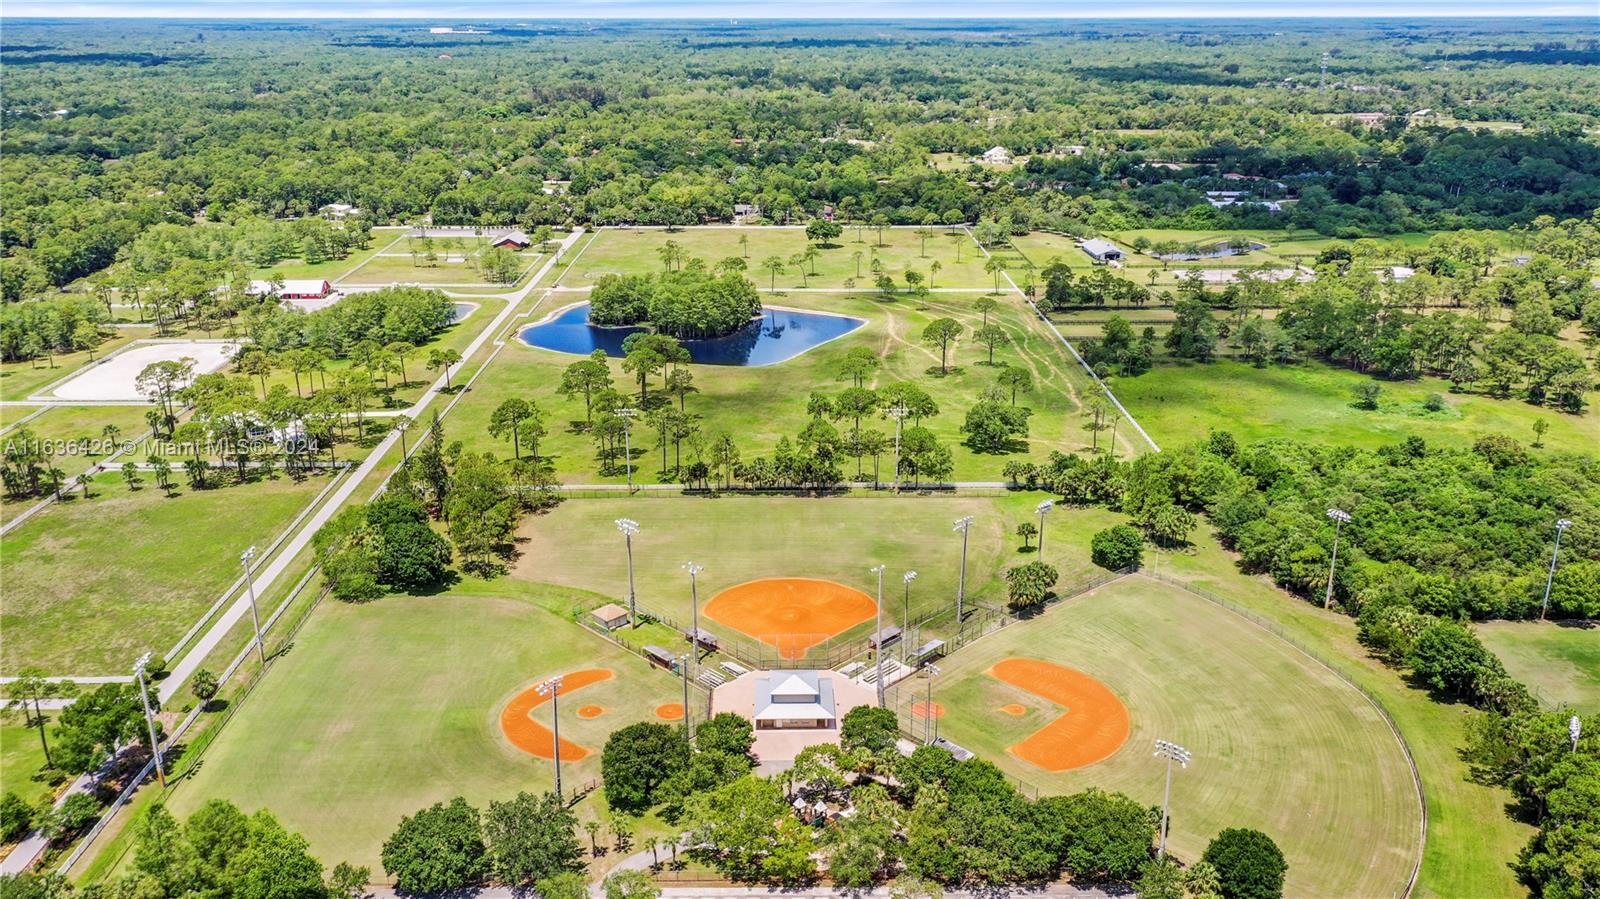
(448, 11)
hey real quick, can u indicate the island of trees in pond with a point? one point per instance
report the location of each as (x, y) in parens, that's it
(688, 302)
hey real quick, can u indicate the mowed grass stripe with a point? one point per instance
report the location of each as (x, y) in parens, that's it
(91, 584)
(1280, 743)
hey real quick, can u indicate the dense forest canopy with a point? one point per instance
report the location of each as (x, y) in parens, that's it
(112, 129)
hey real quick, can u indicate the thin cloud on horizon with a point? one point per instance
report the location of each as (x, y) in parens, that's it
(755, 9)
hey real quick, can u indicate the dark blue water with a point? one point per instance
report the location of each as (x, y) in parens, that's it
(779, 335)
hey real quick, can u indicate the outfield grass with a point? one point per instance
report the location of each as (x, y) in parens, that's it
(758, 405)
(1280, 744)
(384, 708)
(739, 539)
(1559, 661)
(1471, 840)
(1181, 402)
(634, 251)
(90, 584)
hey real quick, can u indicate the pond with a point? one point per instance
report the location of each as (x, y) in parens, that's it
(778, 335)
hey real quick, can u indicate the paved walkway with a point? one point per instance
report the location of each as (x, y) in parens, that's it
(267, 575)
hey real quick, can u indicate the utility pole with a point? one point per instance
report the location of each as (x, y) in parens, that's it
(877, 638)
(1550, 578)
(629, 528)
(1172, 752)
(1340, 518)
(1575, 730)
(932, 729)
(245, 558)
(149, 719)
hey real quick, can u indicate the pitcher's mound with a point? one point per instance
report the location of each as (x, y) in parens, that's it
(671, 711)
(591, 711)
(791, 614)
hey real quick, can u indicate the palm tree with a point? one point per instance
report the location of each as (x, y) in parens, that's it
(774, 267)
(857, 257)
(744, 245)
(799, 259)
(933, 271)
(993, 267)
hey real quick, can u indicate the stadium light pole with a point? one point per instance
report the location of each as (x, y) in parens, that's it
(1550, 578)
(245, 558)
(898, 413)
(1172, 752)
(1042, 508)
(907, 578)
(629, 528)
(149, 718)
(877, 638)
(694, 612)
(627, 443)
(963, 525)
(683, 672)
(932, 730)
(1575, 730)
(551, 687)
(1340, 519)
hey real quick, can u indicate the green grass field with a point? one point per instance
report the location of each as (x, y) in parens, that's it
(1560, 662)
(634, 251)
(21, 758)
(758, 405)
(1471, 839)
(73, 436)
(1181, 402)
(740, 539)
(402, 270)
(90, 584)
(383, 708)
(333, 269)
(1280, 744)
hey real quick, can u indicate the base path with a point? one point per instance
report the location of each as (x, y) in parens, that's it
(1094, 725)
(532, 737)
(791, 614)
